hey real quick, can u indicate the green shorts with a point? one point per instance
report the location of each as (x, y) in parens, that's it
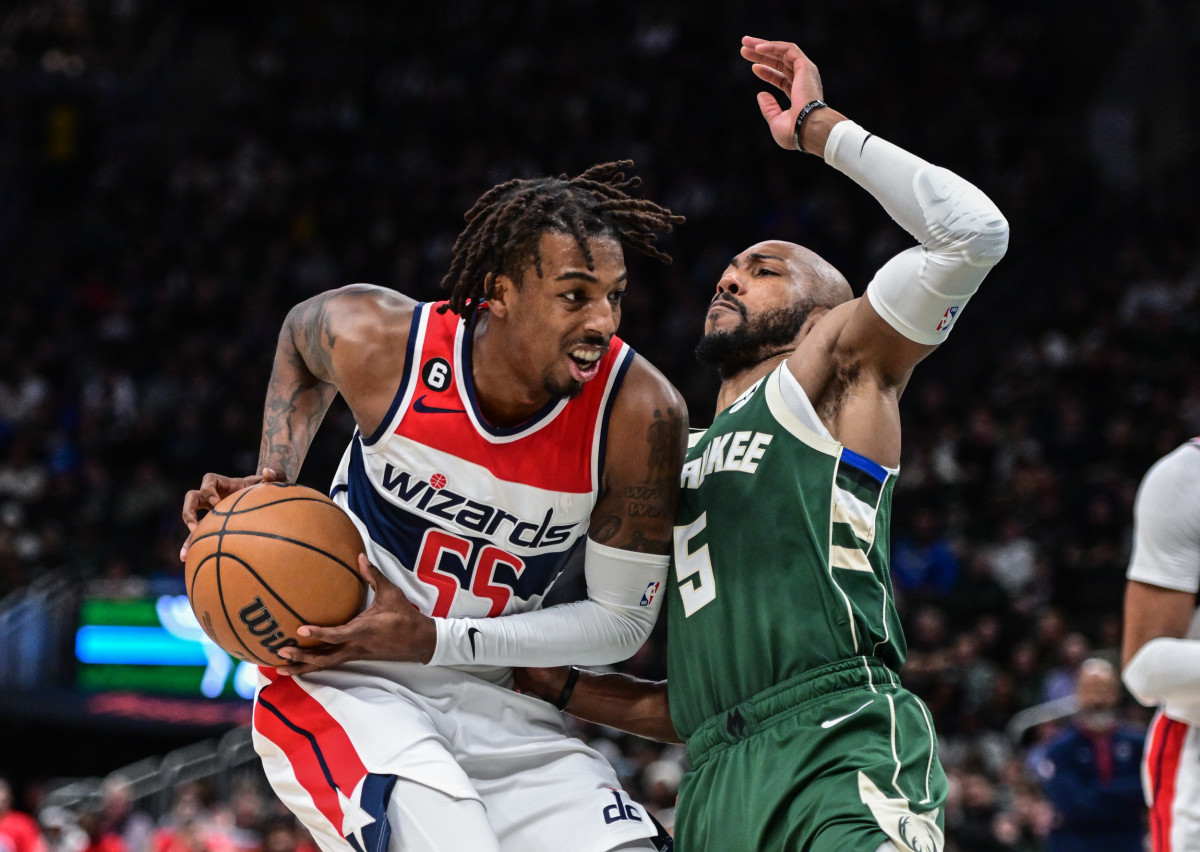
(839, 759)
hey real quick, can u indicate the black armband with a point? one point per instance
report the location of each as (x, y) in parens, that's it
(808, 107)
(564, 697)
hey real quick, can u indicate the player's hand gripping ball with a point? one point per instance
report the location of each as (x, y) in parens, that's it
(265, 561)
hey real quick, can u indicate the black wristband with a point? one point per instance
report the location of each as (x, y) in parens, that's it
(808, 107)
(564, 697)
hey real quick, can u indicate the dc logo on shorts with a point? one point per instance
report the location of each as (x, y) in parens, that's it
(648, 595)
(621, 810)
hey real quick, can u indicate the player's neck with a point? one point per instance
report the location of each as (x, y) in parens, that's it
(505, 396)
(734, 386)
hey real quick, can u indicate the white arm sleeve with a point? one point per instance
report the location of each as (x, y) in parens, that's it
(1166, 522)
(1165, 670)
(624, 597)
(962, 234)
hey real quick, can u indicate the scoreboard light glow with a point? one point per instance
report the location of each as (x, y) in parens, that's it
(154, 645)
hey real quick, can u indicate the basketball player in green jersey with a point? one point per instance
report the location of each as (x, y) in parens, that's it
(783, 640)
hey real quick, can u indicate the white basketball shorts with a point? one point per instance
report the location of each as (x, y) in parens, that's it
(332, 743)
(1171, 780)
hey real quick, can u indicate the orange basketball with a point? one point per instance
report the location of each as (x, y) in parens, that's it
(266, 560)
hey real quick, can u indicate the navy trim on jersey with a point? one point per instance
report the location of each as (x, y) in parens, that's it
(872, 469)
(468, 391)
(409, 367)
(621, 369)
(400, 533)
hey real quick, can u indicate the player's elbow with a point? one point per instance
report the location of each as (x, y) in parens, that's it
(628, 630)
(1139, 674)
(638, 625)
(987, 243)
(964, 222)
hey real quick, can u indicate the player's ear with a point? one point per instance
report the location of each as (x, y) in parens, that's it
(500, 290)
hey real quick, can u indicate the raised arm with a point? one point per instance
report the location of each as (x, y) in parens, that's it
(913, 301)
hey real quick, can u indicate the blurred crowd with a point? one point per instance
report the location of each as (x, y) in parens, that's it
(197, 820)
(173, 177)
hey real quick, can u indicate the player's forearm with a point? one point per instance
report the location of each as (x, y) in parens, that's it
(624, 597)
(942, 210)
(624, 702)
(962, 234)
(295, 406)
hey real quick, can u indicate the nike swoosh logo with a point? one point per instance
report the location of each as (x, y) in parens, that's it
(420, 406)
(471, 631)
(829, 723)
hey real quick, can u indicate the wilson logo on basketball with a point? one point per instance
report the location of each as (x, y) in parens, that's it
(261, 623)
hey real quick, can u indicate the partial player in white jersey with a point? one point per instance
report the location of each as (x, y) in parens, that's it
(1162, 643)
(499, 433)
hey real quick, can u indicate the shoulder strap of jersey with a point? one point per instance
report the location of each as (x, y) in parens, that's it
(425, 314)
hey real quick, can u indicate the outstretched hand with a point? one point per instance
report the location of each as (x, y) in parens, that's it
(391, 628)
(213, 489)
(784, 66)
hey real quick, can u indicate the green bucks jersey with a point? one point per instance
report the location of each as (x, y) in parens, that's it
(780, 561)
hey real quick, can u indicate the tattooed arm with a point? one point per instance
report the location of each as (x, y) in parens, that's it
(350, 340)
(647, 439)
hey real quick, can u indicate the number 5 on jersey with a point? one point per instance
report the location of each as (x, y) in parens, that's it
(693, 570)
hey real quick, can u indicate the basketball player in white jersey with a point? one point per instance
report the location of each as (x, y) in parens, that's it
(498, 434)
(1162, 643)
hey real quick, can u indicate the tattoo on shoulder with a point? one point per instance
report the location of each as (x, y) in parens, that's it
(314, 335)
(665, 437)
(651, 498)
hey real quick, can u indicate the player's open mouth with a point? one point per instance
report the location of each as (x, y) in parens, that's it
(585, 362)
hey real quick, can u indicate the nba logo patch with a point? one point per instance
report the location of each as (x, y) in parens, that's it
(648, 596)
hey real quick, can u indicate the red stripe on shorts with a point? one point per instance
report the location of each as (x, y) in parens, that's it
(322, 756)
(1166, 745)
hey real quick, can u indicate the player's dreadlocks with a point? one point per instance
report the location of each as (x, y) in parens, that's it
(505, 225)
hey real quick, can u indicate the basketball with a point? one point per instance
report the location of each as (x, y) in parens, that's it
(265, 561)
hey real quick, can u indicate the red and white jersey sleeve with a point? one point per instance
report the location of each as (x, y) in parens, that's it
(1166, 546)
(468, 519)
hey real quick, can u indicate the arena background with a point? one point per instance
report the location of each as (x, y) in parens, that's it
(174, 176)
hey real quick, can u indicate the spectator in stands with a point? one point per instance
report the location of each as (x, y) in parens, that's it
(660, 785)
(1092, 772)
(61, 830)
(19, 832)
(99, 837)
(924, 566)
(119, 816)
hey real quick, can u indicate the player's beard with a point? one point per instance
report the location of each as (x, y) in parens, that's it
(756, 339)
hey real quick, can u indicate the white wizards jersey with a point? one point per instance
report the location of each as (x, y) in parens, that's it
(470, 520)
